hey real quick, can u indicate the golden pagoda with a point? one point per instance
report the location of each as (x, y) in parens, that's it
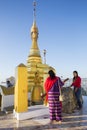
(37, 71)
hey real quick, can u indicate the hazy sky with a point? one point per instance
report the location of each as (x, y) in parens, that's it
(62, 28)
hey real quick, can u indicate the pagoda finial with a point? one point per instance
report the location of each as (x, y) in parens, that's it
(34, 10)
(34, 51)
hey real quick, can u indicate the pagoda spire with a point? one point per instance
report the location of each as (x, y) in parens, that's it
(34, 10)
(34, 51)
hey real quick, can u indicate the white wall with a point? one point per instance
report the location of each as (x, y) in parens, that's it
(8, 100)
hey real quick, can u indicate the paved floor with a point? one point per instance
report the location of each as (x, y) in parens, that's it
(39, 120)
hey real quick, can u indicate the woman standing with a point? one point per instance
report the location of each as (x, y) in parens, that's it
(77, 88)
(52, 85)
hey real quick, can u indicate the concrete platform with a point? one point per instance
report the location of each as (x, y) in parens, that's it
(39, 120)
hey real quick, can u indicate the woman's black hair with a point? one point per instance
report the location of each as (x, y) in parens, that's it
(76, 73)
(52, 74)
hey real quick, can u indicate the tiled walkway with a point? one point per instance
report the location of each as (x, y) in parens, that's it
(39, 120)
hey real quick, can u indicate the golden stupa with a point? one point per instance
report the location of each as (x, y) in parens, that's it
(37, 71)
